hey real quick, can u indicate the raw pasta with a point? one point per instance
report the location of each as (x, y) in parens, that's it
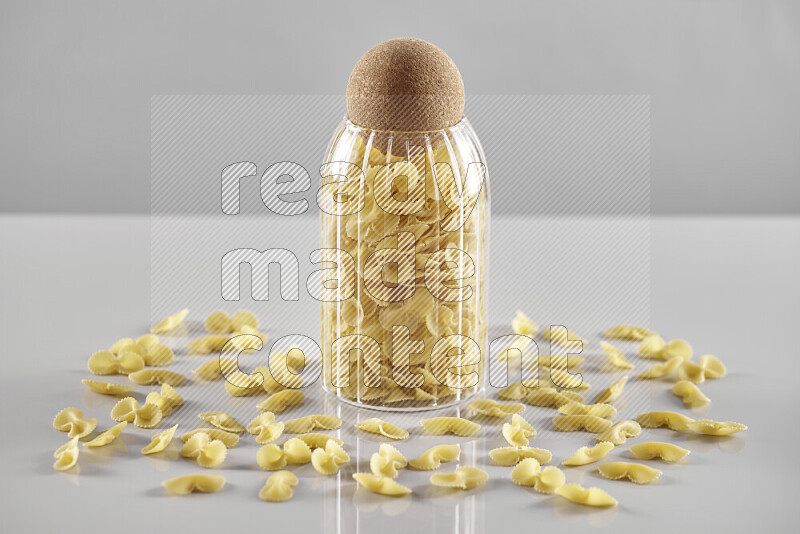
(317, 441)
(563, 379)
(518, 431)
(66, 455)
(672, 420)
(529, 473)
(265, 429)
(327, 461)
(71, 420)
(660, 370)
(524, 473)
(167, 400)
(186, 484)
(463, 478)
(107, 388)
(218, 322)
(205, 451)
(377, 426)
(239, 384)
(589, 455)
(228, 438)
(638, 473)
(158, 355)
(453, 425)
(387, 461)
(105, 362)
(309, 423)
(295, 452)
(381, 485)
(560, 335)
(149, 377)
(128, 410)
(513, 455)
(620, 432)
(586, 496)
(106, 437)
(223, 421)
(629, 332)
(279, 487)
(433, 457)
(708, 367)
(668, 452)
(654, 348)
(160, 441)
(213, 369)
(551, 397)
(169, 323)
(495, 409)
(590, 423)
(599, 410)
(615, 356)
(522, 325)
(690, 394)
(715, 428)
(207, 344)
(612, 393)
(280, 401)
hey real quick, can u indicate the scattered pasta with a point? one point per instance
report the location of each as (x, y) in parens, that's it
(586, 496)
(463, 478)
(107, 388)
(518, 431)
(707, 367)
(327, 461)
(223, 421)
(551, 397)
(667, 452)
(522, 325)
(377, 426)
(149, 377)
(219, 322)
(279, 487)
(661, 370)
(265, 429)
(715, 428)
(66, 455)
(654, 348)
(107, 436)
(672, 420)
(589, 455)
(387, 461)
(453, 425)
(612, 393)
(160, 441)
(615, 356)
(638, 473)
(105, 362)
(169, 323)
(508, 456)
(529, 473)
(228, 438)
(158, 355)
(434, 457)
(690, 394)
(186, 484)
(620, 432)
(576, 408)
(71, 420)
(214, 369)
(381, 485)
(128, 410)
(495, 409)
(205, 451)
(280, 401)
(295, 452)
(564, 379)
(309, 423)
(628, 332)
(589, 423)
(167, 400)
(317, 441)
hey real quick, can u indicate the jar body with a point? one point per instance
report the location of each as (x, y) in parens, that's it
(405, 225)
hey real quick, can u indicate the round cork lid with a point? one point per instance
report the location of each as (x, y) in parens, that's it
(405, 85)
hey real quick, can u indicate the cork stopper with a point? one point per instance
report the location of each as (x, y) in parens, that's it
(405, 85)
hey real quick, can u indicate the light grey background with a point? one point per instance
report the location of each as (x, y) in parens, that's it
(723, 76)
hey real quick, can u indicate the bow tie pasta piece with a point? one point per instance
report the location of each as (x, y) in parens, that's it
(454, 425)
(71, 420)
(463, 478)
(551, 397)
(561, 336)
(620, 432)
(327, 461)
(150, 377)
(661, 370)
(158, 355)
(126, 344)
(548, 480)
(654, 348)
(265, 429)
(434, 457)
(522, 325)
(381, 485)
(223, 421)
(377, 426)
(560, 361)
(207, 344)
(612, 393)
(658, 449)
(160, 441)
(282, 400)
(205, 451)
(228, 438)
(715, 428)
(589, 423)
(309, 423)
(128, 410)
(507, 456)
(239, 384)
(107, 388)
(690, 394)
(168, 400)
(524, 473)
(279, 487)
(515, 391)
(218, 322)
(66, 455)
(672, 420)
(638, 473)
(576, 408)
(106, 437)
(628, 332)
(147, 340)
(495, 409)
(518, 431)
(297, 452)
(586, 496)
(708, 367)
(615, 356)
(317, 441)
(589, 455)
(105, 362)
(169, 323)
(270, 458)
(563, 379)
(186, 484)
(387, 461)
(213, 369)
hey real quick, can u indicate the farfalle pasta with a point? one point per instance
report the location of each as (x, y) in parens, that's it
(265, 428)
(493, 408)
(508, 456)
(638, 473)
(128, 410)
(628, 332)
(71, 420)
(294, 452)
(219, 322)
(615, 356)
(463, 478)
(107, 388)
(672, 420)
(381, 485)
(228, 438)
(667, 452)
(434, 457)
(589, 455)
(529, 473)
(149, 377)
(620, 432)
(186, 484)
(160, 441)
(167, 400)
(518, 431)
(523, 325)
(690, 394)
(586, 496)
(205, 451)
(551, 397)
(326, 461)
(707, 367)
(560, 335)
(316, 440)
(207, 344)
(387, 461)
(576, 408)
(105, 362)
(279, 487)
(107, 436)
(715, 428)
(67, 455)
(564, 379)
(661, 370)
(655, 348)
(281, 401)
(611, 393)
(450, 425)
(382, 428)
(169, 323)
(309, 423)
(223, 421)
(589, 423)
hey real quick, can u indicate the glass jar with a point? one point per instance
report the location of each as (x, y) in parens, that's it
(405, 225)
